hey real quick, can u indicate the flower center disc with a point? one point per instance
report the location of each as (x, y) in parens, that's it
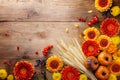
(103, 3)
(1, 74)
(116, 68)
(56, 77)
(23, 71)
(91, 34)
(90, 48)
(103, 42)
(70, 75)
(110, 27)
(54, 64)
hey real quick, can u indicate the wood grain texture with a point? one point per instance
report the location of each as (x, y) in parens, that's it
(32, 36)
(46, 10)
(33, 24)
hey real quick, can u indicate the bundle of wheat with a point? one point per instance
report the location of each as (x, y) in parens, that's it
(71, 53)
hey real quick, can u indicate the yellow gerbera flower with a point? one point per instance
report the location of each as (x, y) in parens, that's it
(116, 56)
(115, 10)
(3, 73)
(112, 77)
(91, 33)
(54, 64)
(83, 77)
(112, 48)
(103, 41)
(103, 5)
(56, 76)
(10, 77)
(115, 40)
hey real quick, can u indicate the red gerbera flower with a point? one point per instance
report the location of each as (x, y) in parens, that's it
(90, 48)
(23, 70)
(110, 27)
(70, 73)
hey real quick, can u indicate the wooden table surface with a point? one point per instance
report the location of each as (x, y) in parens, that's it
(33, 24)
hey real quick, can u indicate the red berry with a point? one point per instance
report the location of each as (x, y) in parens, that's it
(44, 54)
(95, 19)
(45, 49)
(90, 24)
(92, 21)
(18, 48)
(36, 52)
(6, 63)
(50, 46)
(82, 19)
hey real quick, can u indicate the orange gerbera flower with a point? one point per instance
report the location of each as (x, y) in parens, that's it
(70, 73)
(104, 41)
(103, 5)
(112, 49)
(90, 48)
(54, 64)
(110, 27)
(23, 70)
(91, 33)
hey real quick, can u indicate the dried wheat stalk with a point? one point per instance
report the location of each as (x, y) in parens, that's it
(71, 53)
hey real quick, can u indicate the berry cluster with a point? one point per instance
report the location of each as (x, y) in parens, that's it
(93, 20)
(82, 19)
(46, 49)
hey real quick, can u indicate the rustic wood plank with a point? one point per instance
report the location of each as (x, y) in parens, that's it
(32, 36)
(46, 10)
